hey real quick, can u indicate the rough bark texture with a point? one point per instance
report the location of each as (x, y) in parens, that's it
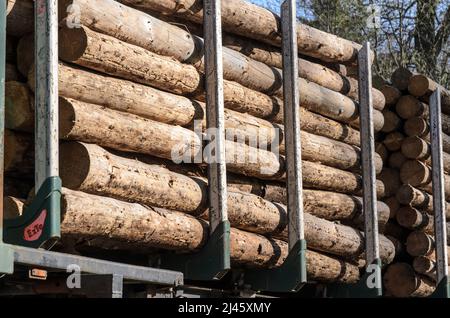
(308, 70)
(391, 180)
(99, 219)
(400, 280)
(409, 106)
(414, 219)
(391, 94)
(417, 148)
(408, 195)
(391, 121)
(19, 154)
(400, 78)
(90, 168)
(12, 207)
(396, 160)
(393, 141)
(19, 19)
(109, 55)
(19, 107)
(422, 86)
(418, 174)
(112, 56)
(249, 20)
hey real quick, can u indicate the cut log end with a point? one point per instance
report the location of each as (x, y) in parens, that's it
(400, 280)
(419, 244)
(415, 148)
(415, 173)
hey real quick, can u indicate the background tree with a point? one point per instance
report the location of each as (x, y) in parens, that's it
(409, 33)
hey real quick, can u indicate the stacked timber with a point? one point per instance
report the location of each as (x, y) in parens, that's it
(132, 122)
(408, 141)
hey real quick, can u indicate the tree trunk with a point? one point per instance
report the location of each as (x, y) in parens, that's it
(391, 180)
(400, 280)
(249, 20)
(104, 173)
(401, 77)
(112, 56)
(393, 141)
(100, 219)
(420, 243)
(393, 206)
(418, 174)
(172, 142)
(408, 195)
(422, 86)
(19, 154)
(19, 17)
(419, 127)
(409, 106)
(417, 148)
(308, 70)
(19, 107)
(391, 121)
(396, 160)
(391, 94)
(414, 219)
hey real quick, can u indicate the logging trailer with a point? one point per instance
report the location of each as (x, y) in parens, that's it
(26, 242)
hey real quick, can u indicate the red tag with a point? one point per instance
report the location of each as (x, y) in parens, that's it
(34, 231)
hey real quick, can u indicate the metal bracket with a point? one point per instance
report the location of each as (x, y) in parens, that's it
(440, 229)
(39, 225)
(291, 276)
(213, 261)
(373, 261)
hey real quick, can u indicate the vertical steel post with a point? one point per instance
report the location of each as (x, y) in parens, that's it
(46, 98)
(2, 108)
(367, 160)
(217, 177)
(440, 228)
(292, 123)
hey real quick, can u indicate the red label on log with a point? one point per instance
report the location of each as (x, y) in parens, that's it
(34, 231)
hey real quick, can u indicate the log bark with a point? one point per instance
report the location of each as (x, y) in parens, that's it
(396, 160)
(12, 207)
(414, 219)
(19, 154)
(171, 142)
(420, 243)
(168, 108)
(417, 148)
(393, 141)
(393, 206)
(19, 17)
(104, 219)
(308, 70)
(109, 55)
(382, 151)
(418, 174)
(422, 86)
(104, 173)
(391, 180)
(401, 77)
(400, 280)
(114, 57)
(19, 107)
(409, 106)
(419, 127)
(408, 195)
(249, 20)
(391, 121)
(391, 94)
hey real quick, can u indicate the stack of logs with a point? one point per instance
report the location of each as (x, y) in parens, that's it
(131, 87)
(407, 142)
